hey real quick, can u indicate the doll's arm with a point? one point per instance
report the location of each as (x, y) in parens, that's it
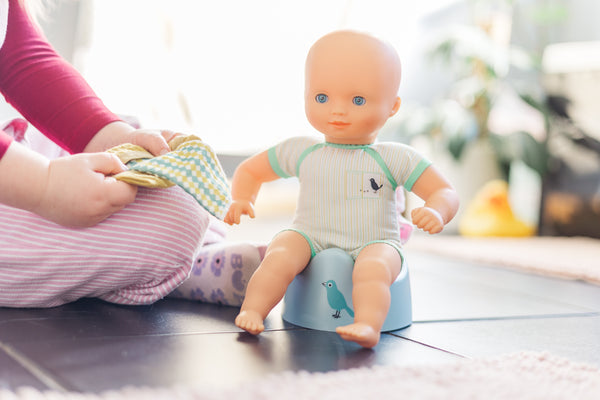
(441, 201)
(247, 179)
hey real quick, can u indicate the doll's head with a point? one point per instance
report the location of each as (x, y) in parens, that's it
(351, 86)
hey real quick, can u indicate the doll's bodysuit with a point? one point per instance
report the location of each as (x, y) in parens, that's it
(347, 195)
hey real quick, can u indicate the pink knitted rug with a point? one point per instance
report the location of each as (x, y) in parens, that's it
(563, 257)
(522, 376)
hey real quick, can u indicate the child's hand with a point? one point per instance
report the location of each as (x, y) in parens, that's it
(428, 219)
(116, 133)
(78, 193)
(153, 140)
(237, 209)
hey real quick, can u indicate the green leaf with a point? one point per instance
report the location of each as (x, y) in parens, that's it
(550, 14)
(521, 146)
(456, 146)
(533, 153)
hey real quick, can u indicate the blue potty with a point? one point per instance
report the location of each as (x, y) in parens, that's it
(321, 296)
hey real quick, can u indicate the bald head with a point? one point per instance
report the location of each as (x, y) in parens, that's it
(360, 53)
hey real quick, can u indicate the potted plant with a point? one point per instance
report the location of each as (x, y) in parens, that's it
(462, 126)
(480, 64)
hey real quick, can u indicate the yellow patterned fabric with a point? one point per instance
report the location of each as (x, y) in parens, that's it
(191, 164)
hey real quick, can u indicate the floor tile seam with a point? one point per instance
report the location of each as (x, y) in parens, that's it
(490, 284)
(558, 279)
(520, 293)
(513, 317)
(144, 335)
(427, 345)
(35, 319)
(131, 336)
(40, 373)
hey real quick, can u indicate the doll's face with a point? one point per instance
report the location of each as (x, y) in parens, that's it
(351, 87)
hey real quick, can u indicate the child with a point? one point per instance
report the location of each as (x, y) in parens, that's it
(68, 229)
(347, 184)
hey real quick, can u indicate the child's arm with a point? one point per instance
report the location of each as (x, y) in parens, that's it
(441, 201)
(247, 179)
(72, 191)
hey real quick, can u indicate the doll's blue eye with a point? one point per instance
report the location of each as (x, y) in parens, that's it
(359, 100)
(321, 98)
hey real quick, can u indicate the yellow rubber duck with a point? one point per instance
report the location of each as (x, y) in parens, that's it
(490, 214)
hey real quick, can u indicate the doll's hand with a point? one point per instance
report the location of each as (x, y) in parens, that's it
(237, 209)
(78, 193)
(428, 219)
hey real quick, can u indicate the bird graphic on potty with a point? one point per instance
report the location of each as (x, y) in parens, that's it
(336, 299)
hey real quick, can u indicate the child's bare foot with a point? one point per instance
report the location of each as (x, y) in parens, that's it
(360, 333)
(250, 321)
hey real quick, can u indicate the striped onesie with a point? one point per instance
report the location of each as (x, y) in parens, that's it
(347, 197)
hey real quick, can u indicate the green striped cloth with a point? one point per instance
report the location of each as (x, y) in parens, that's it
(191, 164)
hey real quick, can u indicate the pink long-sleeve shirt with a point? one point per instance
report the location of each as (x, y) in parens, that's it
(44, 88)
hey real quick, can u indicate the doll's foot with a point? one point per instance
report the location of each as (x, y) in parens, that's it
(250, 321)
(360, 333)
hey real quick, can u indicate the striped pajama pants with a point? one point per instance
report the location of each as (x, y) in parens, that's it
(136, 256)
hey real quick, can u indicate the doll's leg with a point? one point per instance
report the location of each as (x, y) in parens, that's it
(375, 269)
(221, 272)
(136, 256)
(286, 256)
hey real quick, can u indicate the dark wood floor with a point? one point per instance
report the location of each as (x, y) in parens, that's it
(460, 310)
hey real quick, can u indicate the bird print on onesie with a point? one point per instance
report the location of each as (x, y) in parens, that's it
(371, 185)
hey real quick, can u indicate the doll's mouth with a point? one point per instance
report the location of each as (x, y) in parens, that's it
(339, 124)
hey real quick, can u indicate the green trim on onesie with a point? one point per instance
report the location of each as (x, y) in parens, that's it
(272, 154)
(346, 146)
(354, 253)
(365, 147)
(377, 157)
(313, 252)
(422, 166)
(306, 153)
(388, 242)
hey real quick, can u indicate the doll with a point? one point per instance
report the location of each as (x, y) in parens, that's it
(347, 184)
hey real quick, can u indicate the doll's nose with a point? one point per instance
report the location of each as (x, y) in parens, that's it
(338, 109)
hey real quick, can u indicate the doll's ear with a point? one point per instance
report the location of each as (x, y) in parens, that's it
(396, 106)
